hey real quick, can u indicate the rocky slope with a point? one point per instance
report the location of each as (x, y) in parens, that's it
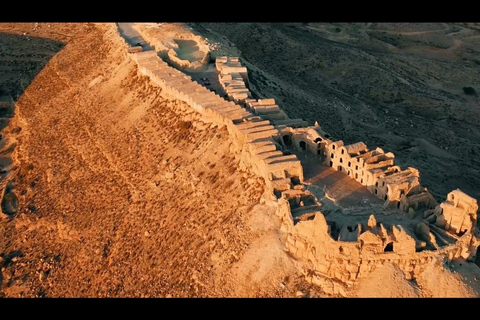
(125, 193)
(392, 85)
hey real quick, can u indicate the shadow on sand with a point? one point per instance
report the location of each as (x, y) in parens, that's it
(22, 57)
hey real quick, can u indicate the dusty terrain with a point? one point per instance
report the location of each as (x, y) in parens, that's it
(123, 192)
(396, 86)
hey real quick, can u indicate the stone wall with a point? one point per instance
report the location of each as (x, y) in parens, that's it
(357, 251)
(167, 48)
(375, 169)
(233, 79)
(310, 241)
(253, 139)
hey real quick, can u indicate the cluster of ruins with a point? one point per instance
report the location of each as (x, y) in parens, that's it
(233, 78)
(261, 134)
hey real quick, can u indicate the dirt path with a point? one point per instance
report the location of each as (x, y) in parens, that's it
(132, 36)
(412, 33)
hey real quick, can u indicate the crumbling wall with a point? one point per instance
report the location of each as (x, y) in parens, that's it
(310, 242)
(308, 236)
(376, 170)
(458, 213)
(167, 47)
(307, 139)
(251, 137)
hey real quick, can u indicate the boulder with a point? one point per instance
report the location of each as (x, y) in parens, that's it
(9, 203)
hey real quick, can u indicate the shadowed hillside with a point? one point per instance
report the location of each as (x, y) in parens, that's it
(396, 86)
(22, 57)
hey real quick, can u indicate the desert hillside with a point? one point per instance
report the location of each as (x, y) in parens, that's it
(398, 86)
(115, 189)
(121, 191)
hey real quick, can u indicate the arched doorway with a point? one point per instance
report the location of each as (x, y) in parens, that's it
(287, 140)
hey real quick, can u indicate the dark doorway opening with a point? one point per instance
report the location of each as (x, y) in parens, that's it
(303, 145)
(287, 140)
(295, 180)
(277, 193)
(388, 247)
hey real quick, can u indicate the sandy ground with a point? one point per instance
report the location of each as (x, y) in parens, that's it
(124, 193)
(458, 280)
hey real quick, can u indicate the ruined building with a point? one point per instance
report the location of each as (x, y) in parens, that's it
(409, 230)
